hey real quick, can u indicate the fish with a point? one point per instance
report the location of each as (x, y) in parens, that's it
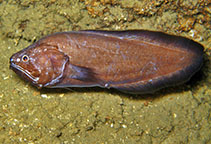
(131, 61)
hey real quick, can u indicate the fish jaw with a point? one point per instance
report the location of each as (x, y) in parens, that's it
(24, 74)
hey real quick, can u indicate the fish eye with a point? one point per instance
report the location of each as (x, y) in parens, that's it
(25, 58)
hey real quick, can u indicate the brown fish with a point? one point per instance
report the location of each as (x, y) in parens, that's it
(133, 61)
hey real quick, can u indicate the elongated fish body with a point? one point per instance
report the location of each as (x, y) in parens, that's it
(133, 61)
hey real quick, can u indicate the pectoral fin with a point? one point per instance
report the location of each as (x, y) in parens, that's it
(83, 74)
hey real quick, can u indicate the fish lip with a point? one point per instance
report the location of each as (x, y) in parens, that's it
(11, 60)
(23, 73)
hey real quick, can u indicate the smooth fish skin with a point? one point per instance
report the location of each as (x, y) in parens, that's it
(132, 61)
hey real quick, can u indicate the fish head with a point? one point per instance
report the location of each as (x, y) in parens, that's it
(42, 65)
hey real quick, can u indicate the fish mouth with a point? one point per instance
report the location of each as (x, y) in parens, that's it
(24, 74)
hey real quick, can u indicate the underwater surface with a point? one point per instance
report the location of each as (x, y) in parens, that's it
(180, 114)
